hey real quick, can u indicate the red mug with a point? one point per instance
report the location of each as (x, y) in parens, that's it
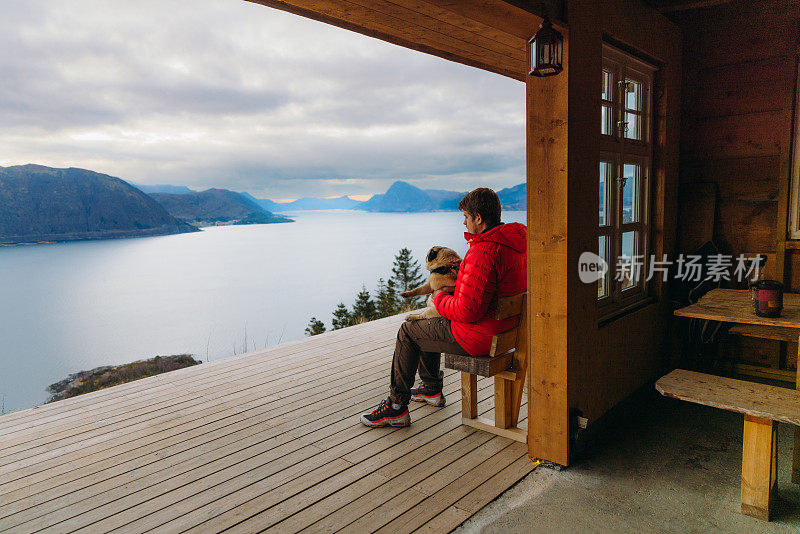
(768, 298)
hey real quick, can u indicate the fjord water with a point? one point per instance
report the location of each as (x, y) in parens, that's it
(68, 307)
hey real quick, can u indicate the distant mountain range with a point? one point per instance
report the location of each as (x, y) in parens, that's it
(40, 203)
(215, 207)
(306, 203)
(401, 197)
(173, 189)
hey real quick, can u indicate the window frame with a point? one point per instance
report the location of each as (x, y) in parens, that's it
(620, 150)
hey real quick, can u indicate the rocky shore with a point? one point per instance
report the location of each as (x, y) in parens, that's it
(112, 375)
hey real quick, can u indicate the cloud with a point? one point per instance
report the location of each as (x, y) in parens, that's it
(238, 95)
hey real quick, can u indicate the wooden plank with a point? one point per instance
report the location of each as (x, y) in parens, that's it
(520, 366)
(202, 406)
(503, 403)
(469, 395)
(216, 390)
(488, 425)
(95, 401)
(766, 332)
(454, 490)
(479, 365)
(416, 35)
(759, 466)
(696, 222)
(765, 372)
(187, 480)
(736, 306)
(502, 343)
(510, 306)
(323, 496)
(750, 398)
(755, 134)
(547, 139)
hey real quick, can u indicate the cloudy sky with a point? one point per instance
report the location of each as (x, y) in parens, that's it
(212, 93)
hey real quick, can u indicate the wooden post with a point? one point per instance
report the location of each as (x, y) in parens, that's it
(503, 402)
(520, 364)
(548, 269)
(759, 466)
(796, 448)
(469, 395)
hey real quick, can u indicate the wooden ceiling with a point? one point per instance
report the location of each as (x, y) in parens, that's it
(669, 6)
(488, 34)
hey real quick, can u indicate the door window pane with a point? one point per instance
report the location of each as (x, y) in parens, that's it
(633, 95)
(605, 179)
(608, 92)
(629, 265)
(630, 193)
(633, 126)
(605, 118)
(602, 284)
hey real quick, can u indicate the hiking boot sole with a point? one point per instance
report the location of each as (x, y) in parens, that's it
(399, 420)
(437, 400)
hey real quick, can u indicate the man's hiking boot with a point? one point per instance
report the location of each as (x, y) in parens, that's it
(423, 393)
(385, 415)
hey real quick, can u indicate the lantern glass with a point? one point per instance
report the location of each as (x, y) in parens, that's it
(546, 50)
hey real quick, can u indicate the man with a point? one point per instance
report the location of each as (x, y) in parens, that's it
(494, 266)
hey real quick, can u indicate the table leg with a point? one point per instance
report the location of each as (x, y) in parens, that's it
(759, 466)
(796, 450)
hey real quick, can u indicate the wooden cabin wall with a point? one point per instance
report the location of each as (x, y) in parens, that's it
(739, 69)
(609, 362)
(738, 99)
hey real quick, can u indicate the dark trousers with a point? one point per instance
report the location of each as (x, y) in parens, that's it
(419, 347)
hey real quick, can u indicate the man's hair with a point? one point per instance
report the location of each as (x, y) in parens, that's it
(484, 202)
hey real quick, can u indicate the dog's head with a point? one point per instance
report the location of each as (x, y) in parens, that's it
(439, 257)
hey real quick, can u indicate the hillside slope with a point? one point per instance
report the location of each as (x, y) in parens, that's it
(40, 203)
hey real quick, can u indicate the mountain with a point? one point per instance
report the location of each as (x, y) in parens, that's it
(173, 189)
(40, 203)
(404, 197)
(216, 206)
(265, 203)
(445, 200)
(400, 197)
(307, 203)
(513, 198)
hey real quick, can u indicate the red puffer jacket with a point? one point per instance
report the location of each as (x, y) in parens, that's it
(494, 266)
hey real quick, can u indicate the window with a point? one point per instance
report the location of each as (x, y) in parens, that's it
(624, 179)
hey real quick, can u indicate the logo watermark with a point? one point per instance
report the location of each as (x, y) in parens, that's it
(686, 267)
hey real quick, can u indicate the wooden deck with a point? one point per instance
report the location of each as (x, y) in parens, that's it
(265, 441)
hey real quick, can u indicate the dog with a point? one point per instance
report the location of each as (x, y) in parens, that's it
(443, 264)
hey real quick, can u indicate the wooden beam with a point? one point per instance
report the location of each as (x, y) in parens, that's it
(547, 194)
(471, 33)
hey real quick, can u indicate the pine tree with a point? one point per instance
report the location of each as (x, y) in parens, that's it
(386, 298)
(341, 317)
(364, 307)
(406, 275)
(315, 326)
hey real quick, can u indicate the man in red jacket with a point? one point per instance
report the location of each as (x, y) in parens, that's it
(494, 266)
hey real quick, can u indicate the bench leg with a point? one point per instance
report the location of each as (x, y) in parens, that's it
(503, 403)
(796, 449)
(759, 466)
(469, 395)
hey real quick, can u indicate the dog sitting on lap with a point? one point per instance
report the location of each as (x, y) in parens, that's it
(443, 264)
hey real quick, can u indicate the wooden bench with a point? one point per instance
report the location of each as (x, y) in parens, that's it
(507, 362)
(763, 406)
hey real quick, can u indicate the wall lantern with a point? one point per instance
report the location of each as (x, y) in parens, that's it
(546, 50)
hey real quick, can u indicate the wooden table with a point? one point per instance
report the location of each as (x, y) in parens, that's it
(736, 306)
